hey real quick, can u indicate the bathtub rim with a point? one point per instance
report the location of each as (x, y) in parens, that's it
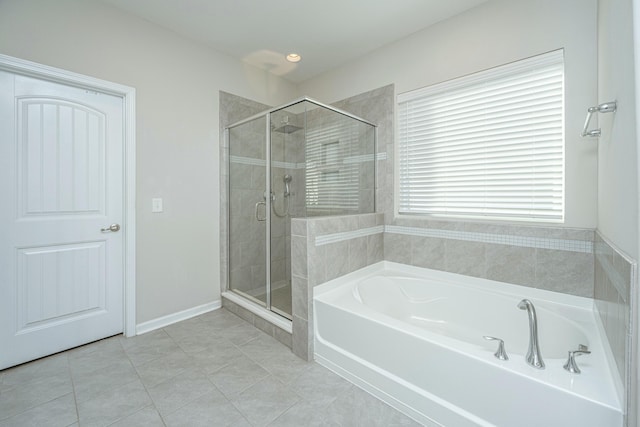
(487, 284)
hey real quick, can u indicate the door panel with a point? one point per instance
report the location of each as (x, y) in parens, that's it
(58, 284)
(61, 182)
(60, 157)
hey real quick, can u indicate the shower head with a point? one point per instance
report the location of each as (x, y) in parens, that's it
(287, 129)
(285, 126)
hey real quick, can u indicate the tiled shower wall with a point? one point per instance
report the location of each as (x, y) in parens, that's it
(339, 150)
(232, 109)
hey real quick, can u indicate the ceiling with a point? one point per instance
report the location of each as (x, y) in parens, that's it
(326, 33)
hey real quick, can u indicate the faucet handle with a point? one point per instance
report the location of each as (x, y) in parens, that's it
(571, 364)
(500, 352)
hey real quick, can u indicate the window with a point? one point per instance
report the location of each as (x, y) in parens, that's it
(487, 145)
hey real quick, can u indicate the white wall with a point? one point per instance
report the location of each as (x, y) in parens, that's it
(491, 34)
(177, 83)
(617, 147)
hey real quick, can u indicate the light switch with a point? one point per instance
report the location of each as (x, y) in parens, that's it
(156, 205)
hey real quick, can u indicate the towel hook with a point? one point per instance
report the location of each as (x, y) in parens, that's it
(607, 107)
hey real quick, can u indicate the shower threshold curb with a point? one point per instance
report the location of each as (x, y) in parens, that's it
(261, 312)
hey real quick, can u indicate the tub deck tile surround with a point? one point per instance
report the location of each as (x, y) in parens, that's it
(263, 384)
(550, 258)
(356, 242)
(615, 276)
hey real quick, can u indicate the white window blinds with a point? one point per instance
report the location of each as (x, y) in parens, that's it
(486, 145)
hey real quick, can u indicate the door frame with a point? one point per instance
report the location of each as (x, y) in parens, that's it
(128, 95)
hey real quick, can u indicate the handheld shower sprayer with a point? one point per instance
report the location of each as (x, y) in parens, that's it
(287, 192)
(287, 189)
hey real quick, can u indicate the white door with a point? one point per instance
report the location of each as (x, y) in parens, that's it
(61, 182)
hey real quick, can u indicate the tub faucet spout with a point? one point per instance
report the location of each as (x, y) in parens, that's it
(534, 358)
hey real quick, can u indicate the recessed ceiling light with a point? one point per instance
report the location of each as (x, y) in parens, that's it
(293, 57)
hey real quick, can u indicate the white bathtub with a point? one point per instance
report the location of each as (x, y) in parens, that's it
(413, 337)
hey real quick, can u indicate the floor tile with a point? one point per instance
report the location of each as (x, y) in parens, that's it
(265, 401)
(148, 347)
(285, 367)
(242, 422)
(90, 385)
(186, 328)
(146, 417)
(240, 334)
(358, 408)
(36, 370)
(59, 412)
(212, 370)
(88, 361)
(18, 399)
(113, 405)
(178, 391)
(237, 376)
(306, 414)
(159, 370)
(212, 409)
(199, 341)
(216, 356)
(220, 320)
(106, 345)
(263, 347)
(319, 385)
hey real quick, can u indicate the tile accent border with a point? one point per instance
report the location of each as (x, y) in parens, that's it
(348, 235)
(569, 245)
(500, 239)
(262, 162)
(291, 165)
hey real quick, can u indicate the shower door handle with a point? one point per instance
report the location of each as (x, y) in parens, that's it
(258, 209)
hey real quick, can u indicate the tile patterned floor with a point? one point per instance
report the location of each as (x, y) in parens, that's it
(212, 370)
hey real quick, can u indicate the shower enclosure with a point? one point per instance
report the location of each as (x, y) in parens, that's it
(299, 160)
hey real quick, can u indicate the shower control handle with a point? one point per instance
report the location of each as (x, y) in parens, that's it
(258, 209)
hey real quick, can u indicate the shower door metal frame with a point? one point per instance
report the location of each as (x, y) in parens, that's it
(267, 194)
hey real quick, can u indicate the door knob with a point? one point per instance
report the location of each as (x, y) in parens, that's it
(112, 227)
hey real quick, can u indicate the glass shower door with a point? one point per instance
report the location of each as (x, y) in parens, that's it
(247, 210)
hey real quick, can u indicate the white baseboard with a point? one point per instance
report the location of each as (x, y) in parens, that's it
(161, 322)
